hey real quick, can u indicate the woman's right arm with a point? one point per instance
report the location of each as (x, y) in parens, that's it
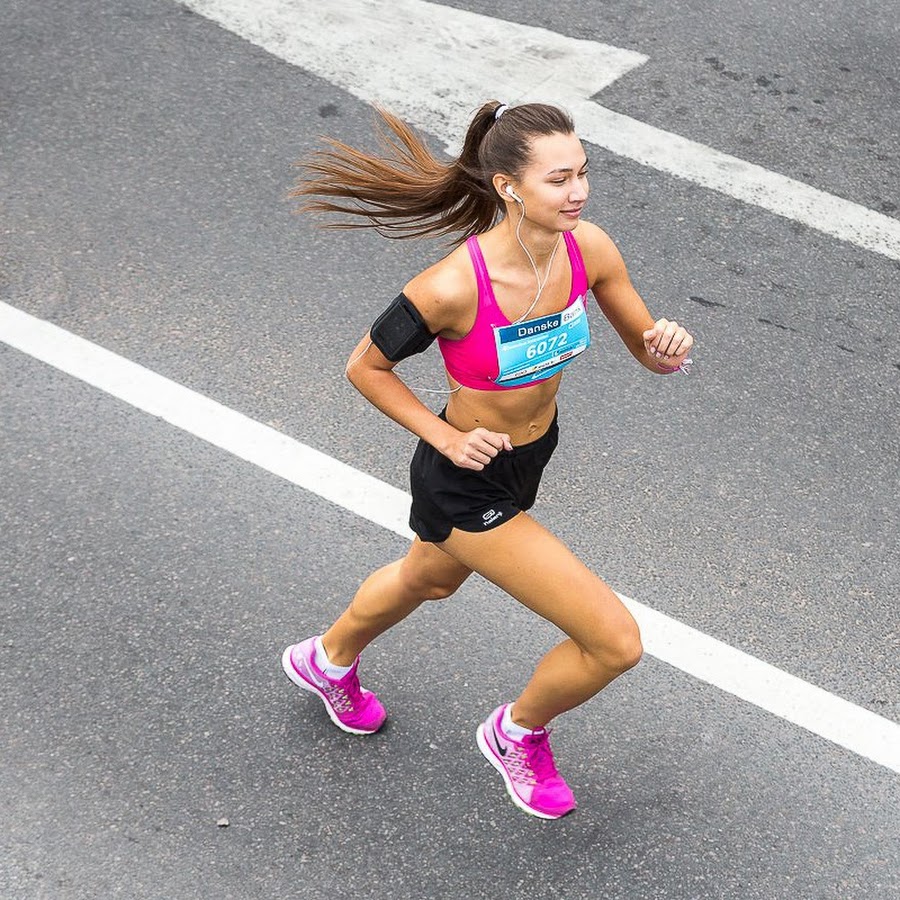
(373, 375)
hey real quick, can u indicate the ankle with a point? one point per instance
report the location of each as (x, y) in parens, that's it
(514, 727)
(336, 654)
(326, 663)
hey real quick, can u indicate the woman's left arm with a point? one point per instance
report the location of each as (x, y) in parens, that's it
(662, 346)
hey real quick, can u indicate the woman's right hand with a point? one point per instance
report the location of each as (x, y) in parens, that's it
(475, 449)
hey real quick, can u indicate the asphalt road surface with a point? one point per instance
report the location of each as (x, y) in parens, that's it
(149, 581)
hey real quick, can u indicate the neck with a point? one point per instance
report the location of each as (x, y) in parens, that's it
(536, 265)
(540, 242)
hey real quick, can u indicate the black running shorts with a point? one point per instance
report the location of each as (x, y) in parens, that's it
(445, 497)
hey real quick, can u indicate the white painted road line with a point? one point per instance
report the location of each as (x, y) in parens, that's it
(451, 60)
(742, 180)
(198, 415)
(698, 654)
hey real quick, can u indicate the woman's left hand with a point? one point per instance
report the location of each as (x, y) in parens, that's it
(668, 343)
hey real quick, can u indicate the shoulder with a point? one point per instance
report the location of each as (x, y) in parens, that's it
(602, 258)
(445, 292)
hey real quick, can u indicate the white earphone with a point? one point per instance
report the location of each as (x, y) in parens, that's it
(513, 194)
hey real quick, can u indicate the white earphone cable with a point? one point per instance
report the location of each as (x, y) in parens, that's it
(541, 284)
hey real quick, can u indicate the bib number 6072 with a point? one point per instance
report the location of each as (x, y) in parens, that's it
(546, 345)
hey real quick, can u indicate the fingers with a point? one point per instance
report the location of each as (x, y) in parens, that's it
(480, 447)
(668, 340)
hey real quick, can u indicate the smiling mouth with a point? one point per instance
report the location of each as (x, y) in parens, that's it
(572, 212)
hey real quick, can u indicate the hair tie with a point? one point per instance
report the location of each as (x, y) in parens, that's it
(502, 108)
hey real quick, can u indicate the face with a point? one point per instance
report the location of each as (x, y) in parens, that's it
(554, 185)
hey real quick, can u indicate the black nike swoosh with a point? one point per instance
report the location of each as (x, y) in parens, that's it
(500, 750)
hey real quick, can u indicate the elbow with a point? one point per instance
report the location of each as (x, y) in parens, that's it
(353, 375)
(351, 369)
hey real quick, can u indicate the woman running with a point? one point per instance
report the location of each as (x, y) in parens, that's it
(509, 309)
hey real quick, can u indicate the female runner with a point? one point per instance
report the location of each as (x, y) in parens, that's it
(509, 310)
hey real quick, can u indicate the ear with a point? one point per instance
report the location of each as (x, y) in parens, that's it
(501, 182)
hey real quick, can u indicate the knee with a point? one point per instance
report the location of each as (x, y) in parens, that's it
(623, 652)
(629, 649)
(438, 591)
(425, 588)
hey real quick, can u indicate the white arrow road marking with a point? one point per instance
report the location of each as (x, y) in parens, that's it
(698, 654)
(434, 65)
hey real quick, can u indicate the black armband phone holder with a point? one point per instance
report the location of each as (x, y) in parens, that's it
(400, 331)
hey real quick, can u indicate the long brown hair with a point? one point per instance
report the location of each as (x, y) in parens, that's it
(407, 192)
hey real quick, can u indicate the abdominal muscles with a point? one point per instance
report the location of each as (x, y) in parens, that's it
(522, 413)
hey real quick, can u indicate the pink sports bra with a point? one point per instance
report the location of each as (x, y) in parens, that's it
(499, 355)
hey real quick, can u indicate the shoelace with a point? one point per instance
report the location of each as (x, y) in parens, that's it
(539, 755)
(531, 762)
(342, 696)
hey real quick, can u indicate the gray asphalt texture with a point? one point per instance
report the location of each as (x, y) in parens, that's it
(148, 582)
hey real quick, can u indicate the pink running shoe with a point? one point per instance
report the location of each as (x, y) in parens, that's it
(351, 708)
(527, 768)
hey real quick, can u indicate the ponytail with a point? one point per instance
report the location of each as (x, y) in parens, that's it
(409, 193)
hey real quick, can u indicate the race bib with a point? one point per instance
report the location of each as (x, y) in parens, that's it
(538, 348)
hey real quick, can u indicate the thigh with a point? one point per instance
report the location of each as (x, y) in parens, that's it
(431, 572)
(536, 568)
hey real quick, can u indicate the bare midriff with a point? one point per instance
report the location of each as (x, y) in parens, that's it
(524, 414)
